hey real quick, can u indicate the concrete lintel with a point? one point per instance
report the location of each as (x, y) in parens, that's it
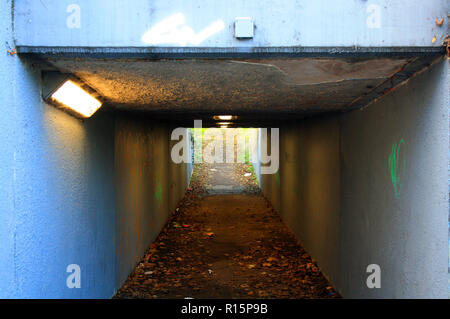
(226, 53)
(205, 23)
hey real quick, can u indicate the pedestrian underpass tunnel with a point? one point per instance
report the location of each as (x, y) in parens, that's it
(352, 153)
(357, 188)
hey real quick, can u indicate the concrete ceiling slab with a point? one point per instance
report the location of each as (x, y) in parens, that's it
(300, 85)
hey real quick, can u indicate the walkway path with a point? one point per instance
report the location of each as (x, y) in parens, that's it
(229, 245)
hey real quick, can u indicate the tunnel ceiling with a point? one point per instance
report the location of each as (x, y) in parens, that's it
(300, 86)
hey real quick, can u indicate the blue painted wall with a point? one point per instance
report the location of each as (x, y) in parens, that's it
(61, 203)
(295, 23)
(57, 198)
(59, 177)
(7, 216)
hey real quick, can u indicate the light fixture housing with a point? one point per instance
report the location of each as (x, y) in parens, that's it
(70, 94)
(224, 117)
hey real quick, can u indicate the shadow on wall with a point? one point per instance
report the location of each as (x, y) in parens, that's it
(148, 187)
(370, 187)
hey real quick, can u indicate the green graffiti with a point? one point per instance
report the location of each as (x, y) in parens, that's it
(277, 177)
(158, 192)
(397, 166)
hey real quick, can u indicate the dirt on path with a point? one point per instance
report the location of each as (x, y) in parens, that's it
(226, 241)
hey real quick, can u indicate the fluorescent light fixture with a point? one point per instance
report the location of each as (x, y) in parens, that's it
(224, 123)
(77, 99)
(225, 117)
(224, 126)
(69, 93)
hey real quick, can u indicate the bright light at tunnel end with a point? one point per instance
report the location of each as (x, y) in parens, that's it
(76, 99)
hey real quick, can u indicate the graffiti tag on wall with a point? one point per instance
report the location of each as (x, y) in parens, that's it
(397, 166)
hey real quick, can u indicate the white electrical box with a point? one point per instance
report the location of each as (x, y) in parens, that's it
(243, 28)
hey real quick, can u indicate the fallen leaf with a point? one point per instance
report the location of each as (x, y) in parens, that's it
(434, 39)
(440, 22)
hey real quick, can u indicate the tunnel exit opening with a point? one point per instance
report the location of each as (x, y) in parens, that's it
(230, 155)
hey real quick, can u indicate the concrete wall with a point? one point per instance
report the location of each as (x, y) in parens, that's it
(398, 221)
(300, 23)
(148, 186)
(92, 193)
(310, 187)
(179, 174)
(7, 220)
(141, 176)
(57, 198)
(270, 183)
(350, 209)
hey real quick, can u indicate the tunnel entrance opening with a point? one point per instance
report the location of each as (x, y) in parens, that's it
(344, 192)
(225, 240)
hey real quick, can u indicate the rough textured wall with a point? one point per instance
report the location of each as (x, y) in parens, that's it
(179, 174)
(371, 187)
(394, 200)
(271, 183)
(148, 186)
(59, 204)
(310, 188)
(142, 185)
(7, 214)
(57, 198)
(295, 23)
